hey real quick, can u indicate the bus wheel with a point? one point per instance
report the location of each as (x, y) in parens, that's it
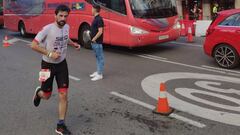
(22, 29)
(83, 37)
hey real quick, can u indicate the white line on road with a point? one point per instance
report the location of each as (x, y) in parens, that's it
(187, 44)
(150, 57)
(151, 107)
(153, 56)
(74, 78)
(181, 64)
(221, 69)
(13, 40)
(26, 41)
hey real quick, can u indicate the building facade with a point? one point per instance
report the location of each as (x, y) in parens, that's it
(204, 10)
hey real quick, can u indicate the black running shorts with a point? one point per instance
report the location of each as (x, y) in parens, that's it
(59, 72)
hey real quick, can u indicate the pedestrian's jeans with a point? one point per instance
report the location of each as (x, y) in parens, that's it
(98, 50)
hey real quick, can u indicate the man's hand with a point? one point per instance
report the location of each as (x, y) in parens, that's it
(54, 55)
(94, 41)
(77, 46)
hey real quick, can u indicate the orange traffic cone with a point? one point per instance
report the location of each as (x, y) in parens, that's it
(190, 35)
(5, 42)
(163, 106)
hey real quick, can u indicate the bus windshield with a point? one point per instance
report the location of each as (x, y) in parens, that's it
(25, 6)
(1, 7)
(153, 8)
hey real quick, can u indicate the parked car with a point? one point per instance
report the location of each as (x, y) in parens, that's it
(223, 39)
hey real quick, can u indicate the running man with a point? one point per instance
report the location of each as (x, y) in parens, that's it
(52, 42)
(97, 40)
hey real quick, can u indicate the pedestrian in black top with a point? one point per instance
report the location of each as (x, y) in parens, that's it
(97, 40)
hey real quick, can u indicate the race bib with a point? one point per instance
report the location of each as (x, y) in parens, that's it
(44, 74)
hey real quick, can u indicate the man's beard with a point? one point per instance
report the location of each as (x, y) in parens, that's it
(61, 23)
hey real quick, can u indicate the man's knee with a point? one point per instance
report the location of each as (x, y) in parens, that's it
(63, 93)
(45, 95)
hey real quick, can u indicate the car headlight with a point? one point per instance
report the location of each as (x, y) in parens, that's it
(177, 25)
(137, 31)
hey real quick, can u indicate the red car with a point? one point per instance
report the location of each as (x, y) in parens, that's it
(223, 39)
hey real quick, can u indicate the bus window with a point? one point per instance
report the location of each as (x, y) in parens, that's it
(105, 3)
(119, 6)
(89, 1)
(1, 7)
(153, 8)
(115, 5)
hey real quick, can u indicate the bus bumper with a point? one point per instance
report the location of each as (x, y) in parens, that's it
(154, 38)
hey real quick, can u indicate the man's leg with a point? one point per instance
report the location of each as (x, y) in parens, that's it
(100, 59)
(45, 91)
(95, 49)
(44, 95)
(100, 62)
(63, 103)
(62, 79)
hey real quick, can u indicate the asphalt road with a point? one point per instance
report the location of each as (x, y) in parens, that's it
(205, 97)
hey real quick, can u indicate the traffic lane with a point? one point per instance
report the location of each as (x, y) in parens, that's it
(197, 40)
(157, 67)
(117, 57)
(185, 54)
(89, 102)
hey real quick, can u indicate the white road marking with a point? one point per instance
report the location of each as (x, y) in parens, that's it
(226, 116)
(154, 56)
(26, 41)
(187, 44)
(151, 107)
(13, 40)
(180, 64)
(74, 78)
(151, 58)
(221, 69)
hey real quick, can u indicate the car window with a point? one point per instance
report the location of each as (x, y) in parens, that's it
(232, 20)
(237, 21)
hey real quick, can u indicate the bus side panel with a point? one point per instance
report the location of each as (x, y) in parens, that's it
(11, 22)
(119, 30)
(39, 22)
(75, 21)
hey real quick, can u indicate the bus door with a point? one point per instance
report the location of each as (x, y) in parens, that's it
(119, 22)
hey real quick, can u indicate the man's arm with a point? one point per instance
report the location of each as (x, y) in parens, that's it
(35, 46)
(100, 32)
(74, 44)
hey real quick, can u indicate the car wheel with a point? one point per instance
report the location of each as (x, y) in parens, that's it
(84, 38)
(226, 56)
(22, 29)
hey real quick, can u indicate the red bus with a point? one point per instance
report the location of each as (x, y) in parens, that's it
(129, 23)
(1, 13)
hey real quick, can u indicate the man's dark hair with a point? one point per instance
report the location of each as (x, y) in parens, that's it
(62, 8)
(97, 7)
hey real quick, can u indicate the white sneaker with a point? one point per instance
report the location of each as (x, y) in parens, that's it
(93, 74)
(97, 77)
